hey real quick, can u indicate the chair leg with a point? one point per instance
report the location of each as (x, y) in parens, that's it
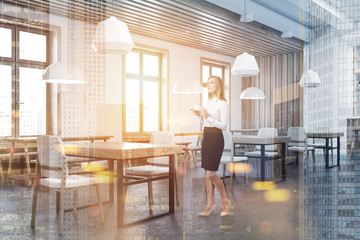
(223, 175)
(192, 156)
(124, 194)
(245, 171)
(61, 214)
(1, 171)
(150, 195)
(100, 203)
(307, 155)
(34, 203)
(75, 192)
(177, 189)
(313, 156)
(232, 175)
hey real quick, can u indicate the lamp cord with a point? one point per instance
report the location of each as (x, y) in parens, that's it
(245, 12)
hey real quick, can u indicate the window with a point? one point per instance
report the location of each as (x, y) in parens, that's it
(22, 92)
(357, 81)
(142, 95)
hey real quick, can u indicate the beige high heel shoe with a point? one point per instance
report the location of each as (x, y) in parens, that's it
(225, 210)
(207, 211)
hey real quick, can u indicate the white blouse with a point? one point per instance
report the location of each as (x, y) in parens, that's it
(218, 111)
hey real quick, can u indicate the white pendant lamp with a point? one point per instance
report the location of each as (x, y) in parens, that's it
(63, 73)
(252, 93)
(309, 79)
(245, 65)
(112, 35)
(182, 87)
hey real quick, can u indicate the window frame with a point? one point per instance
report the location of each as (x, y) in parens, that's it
(15, 62)
(141, 135)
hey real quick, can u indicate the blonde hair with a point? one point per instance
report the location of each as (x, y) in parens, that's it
(220, 92)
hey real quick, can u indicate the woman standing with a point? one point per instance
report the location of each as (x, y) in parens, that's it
(215, 117)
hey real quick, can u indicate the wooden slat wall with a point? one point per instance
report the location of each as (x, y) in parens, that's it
(278, 78)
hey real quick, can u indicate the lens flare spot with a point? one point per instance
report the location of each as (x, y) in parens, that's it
(239, 167)
(265, 227)
(269, 185)
(277, 195)
(67, 148)
(98, 170)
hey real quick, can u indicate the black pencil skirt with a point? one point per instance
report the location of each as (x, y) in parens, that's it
(212, 148)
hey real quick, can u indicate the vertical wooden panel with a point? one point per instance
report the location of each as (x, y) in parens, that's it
(284, 108)
(278, 120)
(290, 101)
(278, 78)
(267, 91)
(247, 106)
(272, 86)
(256, 83)
(262, 79)
(300, 59)
(296, 90)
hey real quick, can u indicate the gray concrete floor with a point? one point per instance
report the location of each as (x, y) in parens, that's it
(253, 216)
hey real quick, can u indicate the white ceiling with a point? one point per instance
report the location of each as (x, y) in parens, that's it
(282, 15)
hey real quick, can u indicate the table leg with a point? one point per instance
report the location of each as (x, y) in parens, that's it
(27, 161)
(338, 149)
(171, 184)
(12, 150)
(111, 180)
(262, 163)
(1, 171)
(326, 152)
(57, 196)
(120, 194)
(283, 156)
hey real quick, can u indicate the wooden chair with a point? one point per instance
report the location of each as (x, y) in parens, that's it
(298, 143)
(54, 176)
(229, 157)
(156, 167)
(195, 149)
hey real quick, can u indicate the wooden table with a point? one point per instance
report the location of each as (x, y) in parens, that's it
(121, 152)
(327, 147)
(89, 138)
(263, 141)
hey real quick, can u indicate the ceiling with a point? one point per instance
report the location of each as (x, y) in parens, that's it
(286, 16)
(207, 25)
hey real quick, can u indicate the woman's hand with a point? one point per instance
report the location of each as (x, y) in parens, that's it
(196, 112)
(204, 112)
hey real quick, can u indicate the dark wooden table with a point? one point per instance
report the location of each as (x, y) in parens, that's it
(327, 146)
(263, 141)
